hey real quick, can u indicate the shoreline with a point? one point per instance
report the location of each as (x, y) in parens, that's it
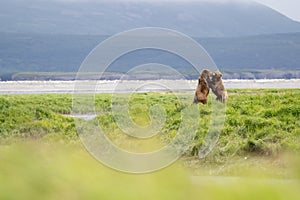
(129, 86)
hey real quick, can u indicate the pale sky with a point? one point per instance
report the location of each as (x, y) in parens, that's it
(290, 8)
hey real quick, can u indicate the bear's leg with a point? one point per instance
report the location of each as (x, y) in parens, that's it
(195, 100)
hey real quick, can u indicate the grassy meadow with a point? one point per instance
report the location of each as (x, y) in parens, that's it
(256, 156)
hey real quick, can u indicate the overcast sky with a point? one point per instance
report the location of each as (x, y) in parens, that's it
(290, 8)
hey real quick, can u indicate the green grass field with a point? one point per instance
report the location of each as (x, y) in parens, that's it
(42, 157)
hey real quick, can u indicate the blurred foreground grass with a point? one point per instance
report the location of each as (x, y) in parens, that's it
(38, 170)
(41, 156)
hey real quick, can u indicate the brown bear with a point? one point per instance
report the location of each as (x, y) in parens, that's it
(206, 74)
(216, 84)
(202, 89)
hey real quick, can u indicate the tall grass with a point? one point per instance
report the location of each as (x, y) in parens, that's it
(41, 156)
(258, 123)
(38, 170)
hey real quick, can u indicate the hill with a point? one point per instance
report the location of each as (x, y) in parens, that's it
(198, 19)
(260, 55)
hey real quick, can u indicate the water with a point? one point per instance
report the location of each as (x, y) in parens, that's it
(67, 87)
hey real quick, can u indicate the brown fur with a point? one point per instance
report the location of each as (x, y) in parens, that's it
(206, 74)
(217, 86)
(202, 89)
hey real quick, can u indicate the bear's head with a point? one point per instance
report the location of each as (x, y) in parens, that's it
(205, 74)
(216, 76)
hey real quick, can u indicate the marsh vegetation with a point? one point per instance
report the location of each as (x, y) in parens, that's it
(40, 150)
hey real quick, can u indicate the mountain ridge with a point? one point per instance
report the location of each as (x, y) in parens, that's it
(65, 53)
(197, 19)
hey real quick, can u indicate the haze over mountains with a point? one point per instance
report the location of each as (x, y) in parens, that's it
(198, 19)
(56, 35)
